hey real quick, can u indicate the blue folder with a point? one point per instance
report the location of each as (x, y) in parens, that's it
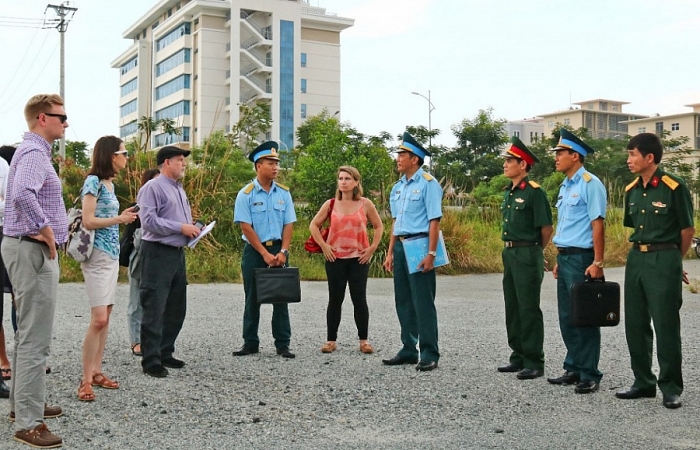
(416, 249)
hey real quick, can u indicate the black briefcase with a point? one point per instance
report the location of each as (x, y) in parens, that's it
(277, 285)
(595, 303)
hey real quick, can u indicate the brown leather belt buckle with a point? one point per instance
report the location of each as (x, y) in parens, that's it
(643, 248)
(269, 243)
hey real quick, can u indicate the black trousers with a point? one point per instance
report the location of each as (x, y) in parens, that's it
(342, 273)
(163, 297)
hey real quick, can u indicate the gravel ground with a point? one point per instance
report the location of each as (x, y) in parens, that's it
(347, 400)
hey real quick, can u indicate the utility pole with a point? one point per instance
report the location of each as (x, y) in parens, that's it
(65, 13)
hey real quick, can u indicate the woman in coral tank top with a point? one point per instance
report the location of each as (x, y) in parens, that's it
(348, 253)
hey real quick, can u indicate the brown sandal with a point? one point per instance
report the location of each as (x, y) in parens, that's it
(85, 393)
(329, 347)
(99, 379)
(366, 347)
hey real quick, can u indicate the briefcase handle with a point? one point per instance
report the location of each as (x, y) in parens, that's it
(595, 280)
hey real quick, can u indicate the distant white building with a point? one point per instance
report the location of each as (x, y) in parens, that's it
(194, 61)
(527, 130)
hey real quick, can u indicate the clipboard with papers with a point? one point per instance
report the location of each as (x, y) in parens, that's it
(206, 230)
(416, 249)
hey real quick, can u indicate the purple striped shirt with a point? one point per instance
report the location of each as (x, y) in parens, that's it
(33, 200)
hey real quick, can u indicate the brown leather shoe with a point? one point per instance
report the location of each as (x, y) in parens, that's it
(329, 347)
(50, 412)
(366, 347)
(39, 437)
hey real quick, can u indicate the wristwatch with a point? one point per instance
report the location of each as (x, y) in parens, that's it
(598, 264)
(285, 252)
(433, 253)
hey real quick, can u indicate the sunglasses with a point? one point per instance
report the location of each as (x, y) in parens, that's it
(122, 152)
(61, 117)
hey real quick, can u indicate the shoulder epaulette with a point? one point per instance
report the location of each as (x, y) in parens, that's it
(428, 177)
(586, 177)
(281, 186)
(670, 182)
(631, 185)
(248, 189)
(534, 184)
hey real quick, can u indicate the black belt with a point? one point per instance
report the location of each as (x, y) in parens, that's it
(644, 248)
(29, 239)
(573, 250)
(271, 243)
(409, 236)
(165, 245)
(512, 244)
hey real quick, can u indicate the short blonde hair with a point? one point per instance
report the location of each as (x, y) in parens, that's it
(39, 104)
(357, 192)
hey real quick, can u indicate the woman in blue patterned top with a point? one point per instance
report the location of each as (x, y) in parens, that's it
(101, 213)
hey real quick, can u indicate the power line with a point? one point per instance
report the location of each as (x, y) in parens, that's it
(36, 55)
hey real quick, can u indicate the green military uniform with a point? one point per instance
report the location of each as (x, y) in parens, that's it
(654, 276)
(525, 211)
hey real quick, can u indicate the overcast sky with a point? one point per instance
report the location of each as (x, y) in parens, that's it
(520, 58)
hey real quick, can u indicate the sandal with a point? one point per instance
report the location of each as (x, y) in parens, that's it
(6, 374)
(366, 347)
(102, 381)
(85, 393)
(133, 350)
(329, 347)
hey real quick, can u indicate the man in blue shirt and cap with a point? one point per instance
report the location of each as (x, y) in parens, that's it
(580, 240)
(265, 212)
(416, 207)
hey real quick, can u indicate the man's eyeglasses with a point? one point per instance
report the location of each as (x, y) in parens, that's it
(61, 117)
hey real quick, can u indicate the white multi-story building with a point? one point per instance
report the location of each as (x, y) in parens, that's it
(528, 131)
(195, 61)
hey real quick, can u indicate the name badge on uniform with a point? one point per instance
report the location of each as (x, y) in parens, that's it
(658, 204)
(574, 195)
(398, 193)
(257, 203)
(519, 200)
(415, 191)
(281, 202)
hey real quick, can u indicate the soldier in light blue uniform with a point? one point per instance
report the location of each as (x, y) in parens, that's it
(265, 212)
(580, 240)
(416, 207)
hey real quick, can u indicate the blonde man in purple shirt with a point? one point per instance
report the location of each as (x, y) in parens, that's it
(35, 224)
(166, 220)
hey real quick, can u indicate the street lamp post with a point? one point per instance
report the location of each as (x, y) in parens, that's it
(431, 108)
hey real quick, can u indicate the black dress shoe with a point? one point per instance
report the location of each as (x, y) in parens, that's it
(173, 363)
(426, 366)
(4, 390)
(586, 387)
(245, 350)
(672, 401)
(634, 393)
(285, 353)
(567, 378)
(398, 360)
(156, 371)
(510, 368)
(529, 374)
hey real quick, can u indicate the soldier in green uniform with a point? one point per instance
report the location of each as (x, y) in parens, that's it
(659, 209)
(527, 228)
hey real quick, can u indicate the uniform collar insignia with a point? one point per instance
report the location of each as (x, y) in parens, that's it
(655, 181)
(522, 185)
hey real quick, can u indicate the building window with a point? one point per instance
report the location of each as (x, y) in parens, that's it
(173, 36)
(127, 108)
(178, 109)
(286, 104)
(659, 129)
(171, 62)
(567, 121)
(303, 85)
(675, 126)
(303, 60)
(128, 129)
(155, 25)
(131, 64)
(642, 130)
(170, 12)
(129, 86)
(173, 86)
(303, 110)
(550, 124)
(517, 134)
(172, 138)
(143, 35)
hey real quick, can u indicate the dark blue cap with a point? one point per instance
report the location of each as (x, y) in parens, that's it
(568, 141)
(409, 144)
(265, 150)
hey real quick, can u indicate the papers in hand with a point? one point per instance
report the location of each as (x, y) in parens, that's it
(193, 242)
(416, 249)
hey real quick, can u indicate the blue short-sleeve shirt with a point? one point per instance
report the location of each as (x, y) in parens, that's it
(414, 203)
(106, 239)
(582, 199)
(267, 212)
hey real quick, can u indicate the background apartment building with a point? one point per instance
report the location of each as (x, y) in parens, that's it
(194, 61)
(528, 131)
(604, 119)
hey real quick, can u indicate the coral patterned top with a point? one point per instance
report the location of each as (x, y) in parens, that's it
(348, 232)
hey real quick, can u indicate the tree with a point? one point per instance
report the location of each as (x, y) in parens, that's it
(476, 156)
(253, 121)
(77, 151)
